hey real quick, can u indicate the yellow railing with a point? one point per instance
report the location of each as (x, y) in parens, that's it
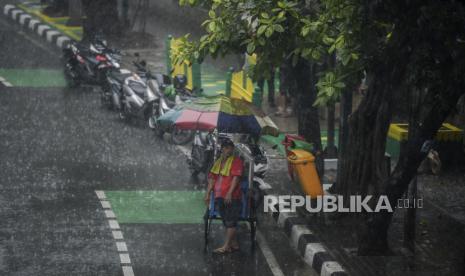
(186, 68)
(446, 132)
(242, 86)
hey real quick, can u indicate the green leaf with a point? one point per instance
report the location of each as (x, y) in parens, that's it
(212, 26)
(265, 15)
(305, 30)
(339, 85)
(331, 49)
(278, 28)
(328, 40)
(211, 13)
(261, 29)
(250, 48)
(269, 32)
(345, 59)
(316, 54)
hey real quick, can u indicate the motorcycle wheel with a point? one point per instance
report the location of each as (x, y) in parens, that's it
(71, 82)
(197, 157)
(123, 114)
(181, 137)
(105, 100)
(153, 124)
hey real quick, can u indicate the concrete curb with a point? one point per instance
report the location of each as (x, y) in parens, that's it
(307, 244)
(46, 32)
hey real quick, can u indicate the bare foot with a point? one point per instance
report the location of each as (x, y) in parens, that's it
(222, 250)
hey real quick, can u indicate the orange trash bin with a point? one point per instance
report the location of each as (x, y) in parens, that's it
(304, 170)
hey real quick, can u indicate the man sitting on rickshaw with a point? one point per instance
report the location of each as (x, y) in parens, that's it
(223, 179)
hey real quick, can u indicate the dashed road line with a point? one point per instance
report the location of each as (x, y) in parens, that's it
(117, 234)
(5, 82)
(268, 254)
(113, 224)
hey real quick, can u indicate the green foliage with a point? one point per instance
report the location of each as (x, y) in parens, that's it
(278, 29)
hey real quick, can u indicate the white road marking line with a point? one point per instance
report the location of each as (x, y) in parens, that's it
(100, 195)
(113, 224)
(105, 204)
(296, 232)
(127, 271)
(6, 83)
(121, 246)
(269, 256)
(330, 267)
(117, 235)
(283, 217)
(124, 258)
(109, 214)
(184, 150)
(310, 250)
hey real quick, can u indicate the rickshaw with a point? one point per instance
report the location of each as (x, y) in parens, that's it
(233, 116)
(249, 199)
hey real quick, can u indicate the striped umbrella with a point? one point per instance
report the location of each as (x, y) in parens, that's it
(225, 114)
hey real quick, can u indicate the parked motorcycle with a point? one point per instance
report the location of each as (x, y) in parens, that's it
(130, 94)
(205, 148)
(89, 64)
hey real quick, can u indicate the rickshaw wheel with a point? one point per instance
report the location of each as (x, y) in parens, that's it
(253, 230)
(207, 224)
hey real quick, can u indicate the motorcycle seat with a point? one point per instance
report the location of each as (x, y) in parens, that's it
(120, 77)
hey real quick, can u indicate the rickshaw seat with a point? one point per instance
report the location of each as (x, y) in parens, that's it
(214, 213)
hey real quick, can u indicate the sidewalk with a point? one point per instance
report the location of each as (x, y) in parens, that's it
(440, 229)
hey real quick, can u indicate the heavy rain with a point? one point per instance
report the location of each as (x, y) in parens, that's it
(184, 137)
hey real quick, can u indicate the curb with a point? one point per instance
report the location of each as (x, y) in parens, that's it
(306, 243)
(46, 32)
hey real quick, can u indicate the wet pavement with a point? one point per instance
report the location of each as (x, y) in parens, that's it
(58, 146)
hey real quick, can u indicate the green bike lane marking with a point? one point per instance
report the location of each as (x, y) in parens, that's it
(34, 77)
(164, 207)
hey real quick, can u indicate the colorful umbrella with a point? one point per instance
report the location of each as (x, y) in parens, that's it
(223, 113)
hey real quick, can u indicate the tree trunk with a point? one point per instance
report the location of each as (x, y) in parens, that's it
(437, 106)
(346, 110)
(307, 114)
(101, 18)
(331, 150)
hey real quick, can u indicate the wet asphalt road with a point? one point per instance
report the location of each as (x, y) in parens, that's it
(57, 147)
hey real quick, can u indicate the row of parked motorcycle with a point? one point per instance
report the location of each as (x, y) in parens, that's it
(143, 94)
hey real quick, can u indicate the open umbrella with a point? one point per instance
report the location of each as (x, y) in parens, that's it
(225, 114)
